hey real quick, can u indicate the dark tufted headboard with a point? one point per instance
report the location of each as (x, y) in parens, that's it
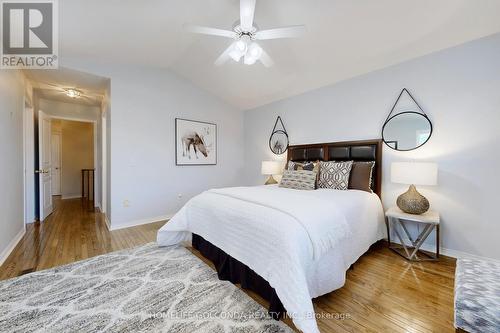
(364, 151)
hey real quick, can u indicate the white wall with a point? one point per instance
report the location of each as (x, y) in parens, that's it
(144, 105)
(11, 160)
(459, 88)
(70, 110)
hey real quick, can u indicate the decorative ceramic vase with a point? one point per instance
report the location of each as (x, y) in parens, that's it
(412, 202)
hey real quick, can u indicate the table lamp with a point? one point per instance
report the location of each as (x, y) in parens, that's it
(270, 168)
(413, 173)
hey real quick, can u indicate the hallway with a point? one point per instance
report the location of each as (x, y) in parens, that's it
(71, 233)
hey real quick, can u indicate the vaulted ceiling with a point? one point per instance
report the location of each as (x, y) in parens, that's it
(344, 38)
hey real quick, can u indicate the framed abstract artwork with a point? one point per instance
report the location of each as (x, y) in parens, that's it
(195, 142)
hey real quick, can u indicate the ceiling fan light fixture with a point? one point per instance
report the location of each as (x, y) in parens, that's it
(241, 46)
(235, 55)
(236, 52)
(255, 51)
(73, 93)
(249, 60)
(244, 32)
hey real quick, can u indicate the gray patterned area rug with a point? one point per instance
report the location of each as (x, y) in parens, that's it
(477, 295)
(145, 289)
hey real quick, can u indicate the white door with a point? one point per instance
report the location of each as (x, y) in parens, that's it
(56, 163)
(44, 169)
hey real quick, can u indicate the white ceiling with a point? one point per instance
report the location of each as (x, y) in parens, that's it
(52, 85)
(344, 38)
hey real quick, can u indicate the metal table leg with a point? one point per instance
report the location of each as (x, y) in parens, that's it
(416, 244)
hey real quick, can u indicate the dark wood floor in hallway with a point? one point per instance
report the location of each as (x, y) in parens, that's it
(383, 293)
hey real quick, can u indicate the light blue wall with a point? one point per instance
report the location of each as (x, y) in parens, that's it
(11, 159)
(459, 88)
(144, 104)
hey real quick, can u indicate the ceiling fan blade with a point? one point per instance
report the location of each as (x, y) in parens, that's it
(247, 11)
(197, 29)
(266, 60)
(284, 32)
(224, 57)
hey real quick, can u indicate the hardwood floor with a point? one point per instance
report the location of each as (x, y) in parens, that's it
(383, 292)
(70, 234)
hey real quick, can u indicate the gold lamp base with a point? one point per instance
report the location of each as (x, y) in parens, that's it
(412, 202)
(271, 181)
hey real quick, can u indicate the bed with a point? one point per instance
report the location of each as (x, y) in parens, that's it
(289, 246)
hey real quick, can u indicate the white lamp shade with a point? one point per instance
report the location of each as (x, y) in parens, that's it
(414, 173)
(271, 168)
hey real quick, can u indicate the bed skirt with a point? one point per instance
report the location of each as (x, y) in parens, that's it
(230, 269)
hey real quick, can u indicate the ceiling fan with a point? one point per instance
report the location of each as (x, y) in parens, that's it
(245, 34)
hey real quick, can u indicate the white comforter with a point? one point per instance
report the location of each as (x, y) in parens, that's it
(301, 242)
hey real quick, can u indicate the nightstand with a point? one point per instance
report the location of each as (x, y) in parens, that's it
(397, 219)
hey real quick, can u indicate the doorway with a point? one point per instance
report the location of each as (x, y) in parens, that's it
(51, 112)
(66, 153)
(76, 140)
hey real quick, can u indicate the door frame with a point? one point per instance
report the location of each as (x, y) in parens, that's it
(52, 134)
(29, 160)
(29, 163)
(104, 163)
(96, 156)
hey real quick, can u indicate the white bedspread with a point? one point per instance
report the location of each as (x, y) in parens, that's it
(299, 241)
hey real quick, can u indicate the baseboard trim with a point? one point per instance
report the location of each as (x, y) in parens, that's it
(108, 223)
(74, 196)
(140, 222)
(12, 245)
(451, 253)
(459, 254)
